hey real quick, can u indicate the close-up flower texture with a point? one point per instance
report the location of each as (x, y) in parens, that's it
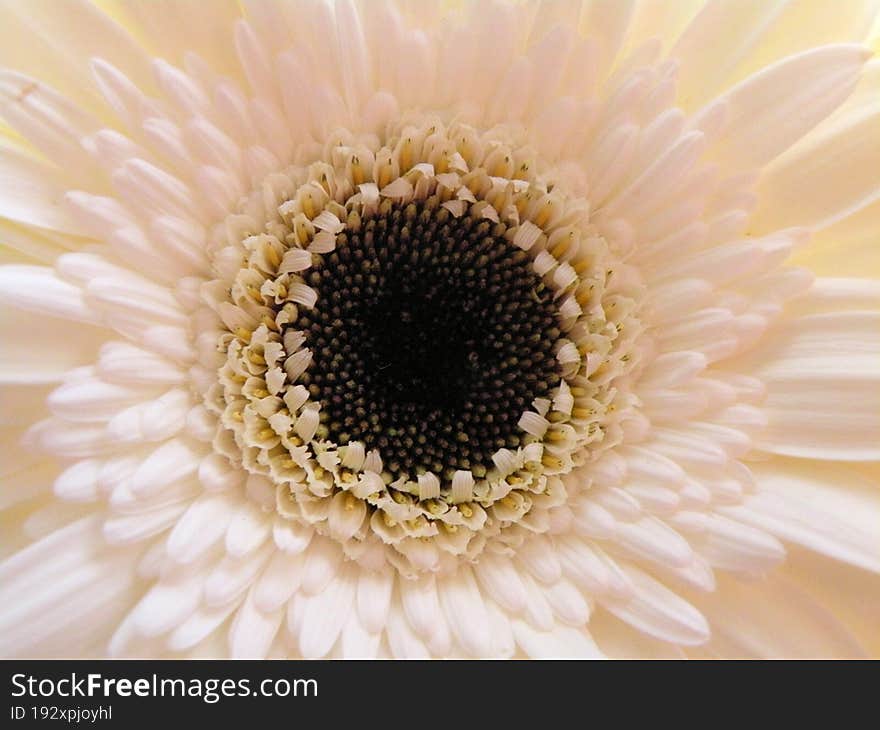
(440, 329)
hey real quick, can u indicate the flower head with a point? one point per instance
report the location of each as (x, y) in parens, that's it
(378, 329)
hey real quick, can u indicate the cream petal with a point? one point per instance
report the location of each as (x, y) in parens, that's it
(538, 557)
(172, 27)
(32, 193)
(799, 26)
(52, 124)
(825, 507)
(823, 395)
(778, 620)
(829, 295)
(291, 537)
(583, 565)
(37, 348)
(830, 174)
(539, 612)
(730, 39)
(729, 544)
(24, 480)
(79, 482)
(56, 43)
(44, 559)
(777, 106)
(845, 248)
(849, 593)
(652, 540)
(26, 245)
(78, 612)
(720, 35)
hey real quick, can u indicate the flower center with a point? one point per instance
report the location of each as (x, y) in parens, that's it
(430, 336)
(420, 337)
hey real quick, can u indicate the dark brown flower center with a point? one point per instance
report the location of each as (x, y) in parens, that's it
(430, 337)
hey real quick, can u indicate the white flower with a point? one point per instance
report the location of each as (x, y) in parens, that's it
(359, 329)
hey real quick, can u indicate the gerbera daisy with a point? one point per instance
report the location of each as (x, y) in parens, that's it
(440, 329)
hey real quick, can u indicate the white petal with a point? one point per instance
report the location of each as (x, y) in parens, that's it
(653, 540)
(278, 582)
(659, 612)
(37, 289)
(90, 399)
(463, 605)
(198, 626)
(539, 557)
(619, 640)
(57, 586)
(203, 524)
(233, 576)
(79, 482)
(247, 531)
(121, 362)
(171, 462)
(325, 614)
(373, 598)
(421, 605)
(499, 578)
(561, 642)
(735, 546)
(123, 529)
(253, 631)
(323, 561)
(568, 603)
(403, 642)
(357, 642)
(167, 605)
